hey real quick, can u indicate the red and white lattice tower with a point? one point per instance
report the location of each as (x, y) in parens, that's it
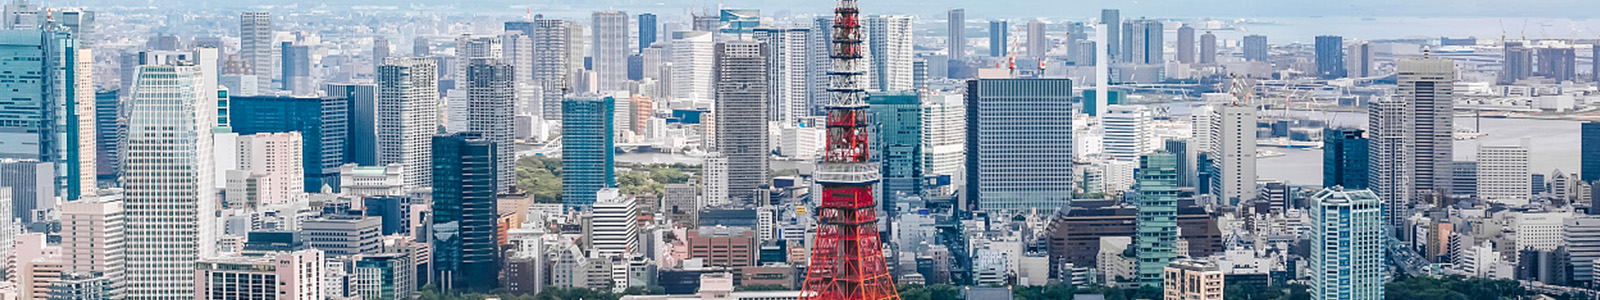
(846, 258)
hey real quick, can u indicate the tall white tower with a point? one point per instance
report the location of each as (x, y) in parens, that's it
(408, 117)
(168, 178)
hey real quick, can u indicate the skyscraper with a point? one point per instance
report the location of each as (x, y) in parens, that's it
(1111, 22)
(610, 49)
(956, 41)
(1186, 44)
(998, 35)
(1255, 48)
(889, 41)
(1359, 58)
(1234, 180)
(1157, 236)
(408, 116)
(1038, 44)
(380, 51)
(693, 57)
(818, 64)
(1208, 48)
(1390, 167)
(1330, 57)
(1559, 63)
(50, 115)
(944, 134)
(898, 143)
(1351, 265)
(787, 72)
(553, 64)
(321, 122)
(168, 180)
(297, 69)
(741, 76)
(1590, 153)
(1011, 117)
(491, 93)
(466, 240)
(255, 46)
(647, 30)
(361, 112)
(1344, 158)
(587, 156)
(1428, 86)
(1148, 44)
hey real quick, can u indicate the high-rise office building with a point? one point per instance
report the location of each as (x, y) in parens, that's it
(296, 70)
(889, 40)
(610, 46)
(587, 156)
(1208, 48)
(1581, 236)
(1255, 48)
(108, 121)
(421, 47)
(321, 122)
(614, 230)
(1351, 265)
(1589, 155)
(1428, 86)
(1157, 237)
(1038, 44)
(1503, 175)
(693, 57)
(898, 143)
(1234, 179)
(1517, 63)
(999, 46)
(741, 110)
(51, 114)
(647, 30)
(1330, 57)
(1345, 158)
(1019, 144)
(255, 47)
(490, 93)
(298, 275)
(466, 246)
(787, 71)
(956, 41)
(1111, 23)
(168, 180)
(1389, 169)
(1127, 132)
(408, 116)
(944, 137)
(361, 111)
(1186, 44)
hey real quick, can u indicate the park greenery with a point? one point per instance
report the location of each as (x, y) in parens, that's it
(540, 176)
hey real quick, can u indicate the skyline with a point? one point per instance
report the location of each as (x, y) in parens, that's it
(1024, 8)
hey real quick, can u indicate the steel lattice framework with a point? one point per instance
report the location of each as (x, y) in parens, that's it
(847, 259)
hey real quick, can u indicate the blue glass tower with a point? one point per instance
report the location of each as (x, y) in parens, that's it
(647, 30)
(320, 121)
(1590, 153)
(898, 120)
(1330, 57)
(588, 157)
(395, 211)
(40, 72)
(997, 38)
(466, 236)
(361, 138)
(1344, 158)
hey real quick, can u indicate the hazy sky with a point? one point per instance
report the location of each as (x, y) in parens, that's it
(990, 8)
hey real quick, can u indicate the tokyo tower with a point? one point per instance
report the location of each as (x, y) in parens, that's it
(847, 259)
